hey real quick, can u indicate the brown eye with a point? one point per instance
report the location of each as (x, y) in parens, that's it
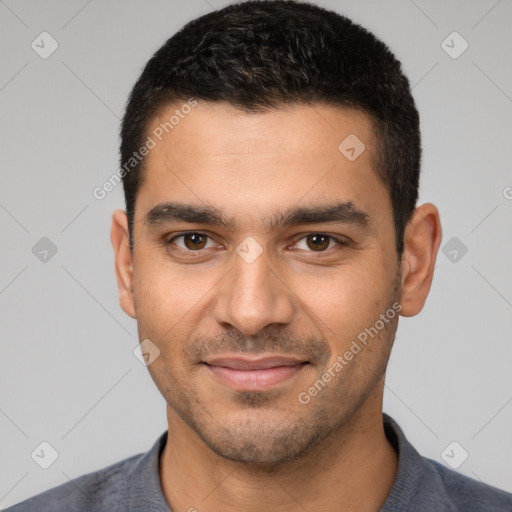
(318, 241)
(192, 242)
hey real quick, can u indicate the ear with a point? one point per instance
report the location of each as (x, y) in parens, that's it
(421, 242)
(119, 237)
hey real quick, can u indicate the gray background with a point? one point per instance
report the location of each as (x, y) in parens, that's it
(68, 375)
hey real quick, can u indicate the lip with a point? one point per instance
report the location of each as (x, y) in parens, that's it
(254, 374)
(260, 363)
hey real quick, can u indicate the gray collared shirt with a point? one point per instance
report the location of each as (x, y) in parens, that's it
(133, 485)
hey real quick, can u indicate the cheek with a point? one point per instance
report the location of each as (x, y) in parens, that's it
(168, 299)
(346, 300)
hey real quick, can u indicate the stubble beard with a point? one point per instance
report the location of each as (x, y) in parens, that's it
(256, 437)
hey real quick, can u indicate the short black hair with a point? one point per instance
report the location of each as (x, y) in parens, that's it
(259, 55)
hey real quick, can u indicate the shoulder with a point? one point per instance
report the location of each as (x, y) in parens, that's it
(105, 489)
(423, 484)
(462, 492)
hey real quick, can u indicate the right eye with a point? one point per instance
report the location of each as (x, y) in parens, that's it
(192, 241)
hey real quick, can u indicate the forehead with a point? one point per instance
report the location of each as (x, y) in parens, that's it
(253, 164)
(218, 129)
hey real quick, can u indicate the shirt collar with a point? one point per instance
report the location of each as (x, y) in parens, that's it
(411, 468)
(144, 488)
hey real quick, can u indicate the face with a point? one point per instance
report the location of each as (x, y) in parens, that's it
(270, 285)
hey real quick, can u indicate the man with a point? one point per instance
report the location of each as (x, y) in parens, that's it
(270, 158)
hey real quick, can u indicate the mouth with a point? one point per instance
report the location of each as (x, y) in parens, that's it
(254, 374)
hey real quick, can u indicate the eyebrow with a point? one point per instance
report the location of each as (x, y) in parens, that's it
(174, 212)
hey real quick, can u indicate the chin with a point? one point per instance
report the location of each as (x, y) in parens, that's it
(262, 438)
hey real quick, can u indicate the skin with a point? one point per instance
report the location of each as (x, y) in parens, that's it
(265, 450)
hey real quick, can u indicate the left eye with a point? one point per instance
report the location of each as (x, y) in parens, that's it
(317, 242)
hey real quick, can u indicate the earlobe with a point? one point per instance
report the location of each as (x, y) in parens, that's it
(123, 261)
(421, 243)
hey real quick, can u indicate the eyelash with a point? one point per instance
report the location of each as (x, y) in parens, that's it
(169, 243)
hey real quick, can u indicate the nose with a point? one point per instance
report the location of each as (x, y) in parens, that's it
(253, 296)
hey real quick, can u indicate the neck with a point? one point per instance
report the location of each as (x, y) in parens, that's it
(353, 469)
